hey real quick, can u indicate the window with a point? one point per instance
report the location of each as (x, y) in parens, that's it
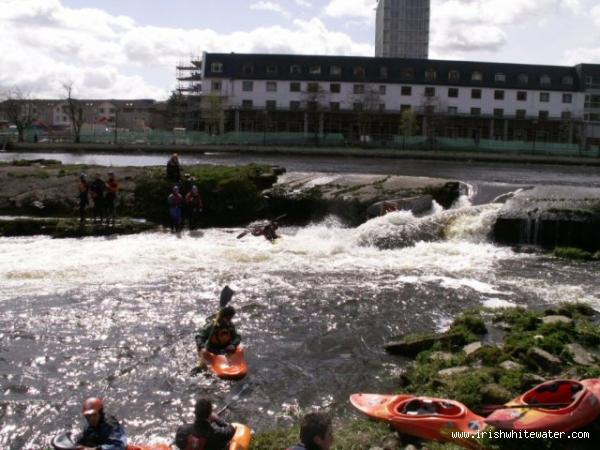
(381, 107)
(382, 89)
(312, 87)
(248, 68)
(357, 107)
(498, 95)
(359, 89)
(334, 106)
(314, 69)
(406, 90)
(567, 98)
(452, 110)
(544, 97)
(271, 69)
(589, 81)
(429, 110)
(543, 115)
(521, 96)
(383, 73)
(271, 86)
(294, 105)
(359, 72)
(522, 78)
(216, 67)
(334, 88)
(475, 111)
(407, 74)
(405, 108)
(567, 80)
(545, 80)
(453, 75)
(429, 91)
(294, 86)
(565, 115)
(247, 104)
(500, 78)
(335, 70)
(498, 112)
(215, 86)
(247, 86)
(520, 113)
(271, 104)
(475, 93)
(430, 75)
(476, 76)
(295, 69)
(453, 92)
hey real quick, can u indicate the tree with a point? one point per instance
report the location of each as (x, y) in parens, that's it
(314, 102)
(367, 106)
(75, 112)
(433, 117)
(408, 124)
(18, 110)
(213, 112)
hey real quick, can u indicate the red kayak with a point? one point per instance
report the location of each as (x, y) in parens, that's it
(558, 405)
(424, 417)
(230, 366)
(149, 447)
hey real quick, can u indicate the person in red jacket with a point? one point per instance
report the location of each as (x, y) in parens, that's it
(84, 200)
(112, 189)
(193, 204)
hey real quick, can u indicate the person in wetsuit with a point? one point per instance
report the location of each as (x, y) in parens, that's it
(219, 335)
(103, 431)
(208, 432)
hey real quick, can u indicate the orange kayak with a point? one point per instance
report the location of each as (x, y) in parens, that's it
(558, 405)
(241, 438)
(424, 417)
(149, 447)
(229, 367)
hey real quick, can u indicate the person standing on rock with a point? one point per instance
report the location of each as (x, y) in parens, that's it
(97, 189)
(112, 189)
(83, 196)
(173, 169)
(193, 204)
(316, 432)
(175, 201)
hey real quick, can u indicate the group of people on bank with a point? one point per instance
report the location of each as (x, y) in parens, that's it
(103, 195)
(182, 204)
(208, 431)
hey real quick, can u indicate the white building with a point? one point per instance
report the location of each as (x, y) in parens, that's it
(402, 29)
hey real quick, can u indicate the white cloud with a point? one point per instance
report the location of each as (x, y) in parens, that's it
(364, 9)
(269, 6)
(596, 15)
(45, 44)
(304, 3)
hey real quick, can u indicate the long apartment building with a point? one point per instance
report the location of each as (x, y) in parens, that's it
(363, 95)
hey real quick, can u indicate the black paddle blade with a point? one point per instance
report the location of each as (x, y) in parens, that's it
(226, 295)
(242, 234)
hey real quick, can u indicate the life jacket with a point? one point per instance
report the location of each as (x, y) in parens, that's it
(112, 187)
(83, 187)
(221, 335)
(195, 443)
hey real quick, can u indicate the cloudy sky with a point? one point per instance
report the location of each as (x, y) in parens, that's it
(129, 48)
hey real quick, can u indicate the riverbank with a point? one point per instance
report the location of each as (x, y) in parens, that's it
(592, 160)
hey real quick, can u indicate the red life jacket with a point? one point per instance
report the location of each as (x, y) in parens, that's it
(195, 443)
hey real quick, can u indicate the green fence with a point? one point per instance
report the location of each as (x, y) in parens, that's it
(196, 138)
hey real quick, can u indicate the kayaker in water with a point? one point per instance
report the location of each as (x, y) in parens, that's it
(269, 231)
(219, 335)
(208, 432)
(316, 432)
(103, 431)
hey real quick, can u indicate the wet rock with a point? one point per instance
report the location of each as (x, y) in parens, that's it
(494, 393)
(549, 320)
(452, 371)
(551, 216)
(413, 344)
(530, 380)
(417, 205)
(410, 447)
(511, 365)
(580, 355)
(544, 360)
(472, 348)
(505, 326)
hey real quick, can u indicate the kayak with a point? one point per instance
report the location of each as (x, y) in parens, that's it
(424, 417)
(149, 447)
(557, 405)
(228, 367)
(241, 438)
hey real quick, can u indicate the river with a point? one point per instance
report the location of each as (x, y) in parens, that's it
(115, 317)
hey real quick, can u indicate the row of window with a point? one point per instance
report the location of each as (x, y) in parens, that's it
(335, 88)
(359, 107)
(405, 74)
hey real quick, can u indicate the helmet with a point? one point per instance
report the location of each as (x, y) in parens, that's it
(92, 405)
(175, 188)
(82, 175)
(194, 189)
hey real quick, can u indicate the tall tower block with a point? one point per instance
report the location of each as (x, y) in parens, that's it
(402, 29)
